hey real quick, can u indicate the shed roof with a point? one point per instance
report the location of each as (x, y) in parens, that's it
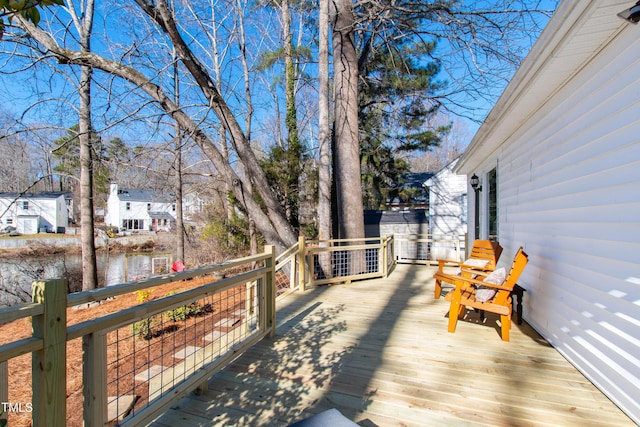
(411, 180)
(409, 216)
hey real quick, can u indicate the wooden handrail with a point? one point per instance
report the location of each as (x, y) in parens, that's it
(102, 294)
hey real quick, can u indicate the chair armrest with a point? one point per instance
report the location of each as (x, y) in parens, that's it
(442, 262)
(474, 271)
(461, 281)
(493, 286)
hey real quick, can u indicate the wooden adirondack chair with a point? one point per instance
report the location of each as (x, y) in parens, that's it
(465, 296)
(482, 250)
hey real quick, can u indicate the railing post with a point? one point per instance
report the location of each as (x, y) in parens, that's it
(270, 291)
(393, 251)
(94, 371)
(309, 260)
(4, 386)
(49, 365)
(249, 306)
(384, 256)
(302, 264)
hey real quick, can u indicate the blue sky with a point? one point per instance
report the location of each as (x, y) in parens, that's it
(18, 91)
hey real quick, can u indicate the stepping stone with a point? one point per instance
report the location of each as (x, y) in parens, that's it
(149, 373)
(119, 407)
(186, 352)
(213, 336)
(227, 323)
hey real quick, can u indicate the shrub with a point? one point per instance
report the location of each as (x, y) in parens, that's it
(144, 328)
(184, 312)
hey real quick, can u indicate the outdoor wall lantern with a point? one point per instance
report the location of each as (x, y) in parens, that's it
(632, 14)
(475, 184)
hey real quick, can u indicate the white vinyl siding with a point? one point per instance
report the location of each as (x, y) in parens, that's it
(35, 212)
(569, 192)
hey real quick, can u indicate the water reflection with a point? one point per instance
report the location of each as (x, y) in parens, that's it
(17, 274)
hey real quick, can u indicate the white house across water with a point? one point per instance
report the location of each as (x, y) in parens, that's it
(559, 162)
(140, 210)
(31, 213)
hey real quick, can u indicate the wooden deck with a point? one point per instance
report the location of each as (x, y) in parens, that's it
(379, 351)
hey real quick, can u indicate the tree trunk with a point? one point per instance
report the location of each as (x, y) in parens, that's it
(242, 45)
(324, 161)
(294, 151)
(178, 170)
(85, 131)
(89, 268)
(347, 149)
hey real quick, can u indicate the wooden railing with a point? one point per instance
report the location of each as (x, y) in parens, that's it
(349, 259)
(249, 306)
(252, 292)
(427, 248)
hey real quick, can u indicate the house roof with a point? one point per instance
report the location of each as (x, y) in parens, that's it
(413, 216)
(435, 176)
(161, 215)
(575, 34)
(47, 195)
(412, 180)
(145, 196)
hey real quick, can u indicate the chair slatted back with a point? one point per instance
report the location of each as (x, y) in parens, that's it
(517, 267)
(486, 249)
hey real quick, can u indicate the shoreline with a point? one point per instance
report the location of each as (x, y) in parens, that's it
(53, 244)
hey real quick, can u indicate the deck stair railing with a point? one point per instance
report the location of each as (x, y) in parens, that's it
(198, 331)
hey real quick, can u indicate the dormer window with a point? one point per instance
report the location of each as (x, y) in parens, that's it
(25, 205)
(148, 206)
(127, 206)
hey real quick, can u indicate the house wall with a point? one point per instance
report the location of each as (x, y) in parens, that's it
(43, 213)
(385, 223)
(447, 209)
(117, 210)
(569, 193)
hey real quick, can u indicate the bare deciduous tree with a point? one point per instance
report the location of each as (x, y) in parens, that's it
(84, 24)
(267, 214)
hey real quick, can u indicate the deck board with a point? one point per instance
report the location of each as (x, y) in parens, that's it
(379, 351)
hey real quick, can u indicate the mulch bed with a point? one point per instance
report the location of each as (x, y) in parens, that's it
(129, 357)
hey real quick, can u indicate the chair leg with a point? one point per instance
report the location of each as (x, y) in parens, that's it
(438, 290)
(454, 311)
(461, 311)
(505, 323)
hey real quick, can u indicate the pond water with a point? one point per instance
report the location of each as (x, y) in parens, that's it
(17, 274)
